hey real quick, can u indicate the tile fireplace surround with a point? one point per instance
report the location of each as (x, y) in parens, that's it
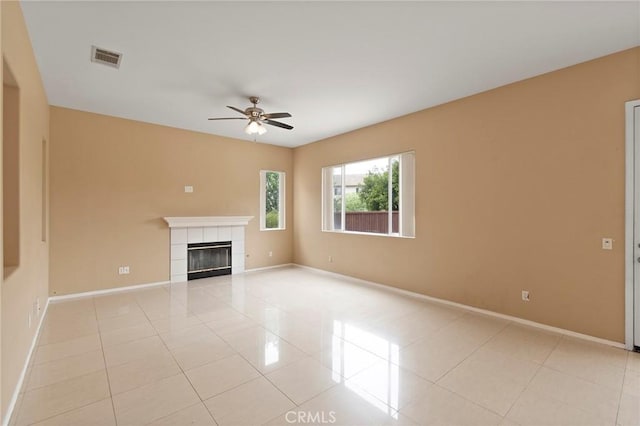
(205, 229)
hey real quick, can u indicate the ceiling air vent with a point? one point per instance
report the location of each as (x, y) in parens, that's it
(105, 57)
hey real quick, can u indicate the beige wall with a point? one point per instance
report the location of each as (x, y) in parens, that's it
(515, 188)
(112, 181)
(30, 280)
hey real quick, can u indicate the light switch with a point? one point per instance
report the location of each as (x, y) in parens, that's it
(188, 188)
(607, 244)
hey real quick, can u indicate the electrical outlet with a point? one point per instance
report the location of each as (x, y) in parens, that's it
(123, 270)
(330, 259)
(525, 295)
(188, 188)
(270, 254)
(607, 244)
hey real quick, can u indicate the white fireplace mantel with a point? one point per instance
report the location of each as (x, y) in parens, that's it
(204, 221)
(205, 229)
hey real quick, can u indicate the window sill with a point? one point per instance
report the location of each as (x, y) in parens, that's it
(273, 229)
(373, 234)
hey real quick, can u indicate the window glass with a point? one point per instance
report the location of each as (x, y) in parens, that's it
(272, 200)
(368, 196)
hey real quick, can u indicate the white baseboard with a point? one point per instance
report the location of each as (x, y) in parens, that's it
(265, 268)
(23, 373)
(55, 299)
(470, 308)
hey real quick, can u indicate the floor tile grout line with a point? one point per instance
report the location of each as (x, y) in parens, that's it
(66, 378)
(66, 356)
(582, 410)
(540, 365)
(281, 391)
(574, 375)
(568, 374)
(66, 411)
(477, 404)
(580, 378)
(202, 401)
(285, 394)
(483, 344)
(104, 359)
(261, 326)
(599, 346)
(156, 381)
(624, 379)
(259, 372)
(431, 383)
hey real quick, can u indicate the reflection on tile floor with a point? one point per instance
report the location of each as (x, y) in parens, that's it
(293, 346)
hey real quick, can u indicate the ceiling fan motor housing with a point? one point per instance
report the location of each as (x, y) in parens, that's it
(254, 112)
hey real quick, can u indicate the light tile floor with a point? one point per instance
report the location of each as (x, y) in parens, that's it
(293, 346)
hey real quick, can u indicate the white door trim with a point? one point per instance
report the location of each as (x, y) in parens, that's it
(630, 149)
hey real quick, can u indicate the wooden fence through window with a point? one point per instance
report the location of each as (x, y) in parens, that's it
(377, 222)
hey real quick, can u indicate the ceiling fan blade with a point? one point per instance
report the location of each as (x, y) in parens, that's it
(229, 118)
(277, 115)
(237, 109)
(278, 124)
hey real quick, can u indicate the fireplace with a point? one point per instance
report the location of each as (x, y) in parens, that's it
(208, 259)
(186, 232)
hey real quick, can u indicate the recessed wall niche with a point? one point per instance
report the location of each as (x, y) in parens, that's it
(10, 170)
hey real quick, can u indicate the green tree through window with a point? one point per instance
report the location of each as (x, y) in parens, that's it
(374, 192)
(272, 201)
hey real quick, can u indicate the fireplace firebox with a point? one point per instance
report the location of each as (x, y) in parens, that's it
(208, 259)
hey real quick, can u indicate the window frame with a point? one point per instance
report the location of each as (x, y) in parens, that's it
(406, 184)
(281, 200)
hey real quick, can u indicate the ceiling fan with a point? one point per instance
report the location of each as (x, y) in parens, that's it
(257, 118)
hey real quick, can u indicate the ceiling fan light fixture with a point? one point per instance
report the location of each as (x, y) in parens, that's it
(255, 127)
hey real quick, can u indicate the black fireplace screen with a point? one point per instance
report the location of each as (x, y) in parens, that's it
(209, 259)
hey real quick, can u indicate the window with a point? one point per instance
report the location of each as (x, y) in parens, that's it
(271, 200)
(374, 196)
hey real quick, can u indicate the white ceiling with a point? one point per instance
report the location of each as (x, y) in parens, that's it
(335, 66)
